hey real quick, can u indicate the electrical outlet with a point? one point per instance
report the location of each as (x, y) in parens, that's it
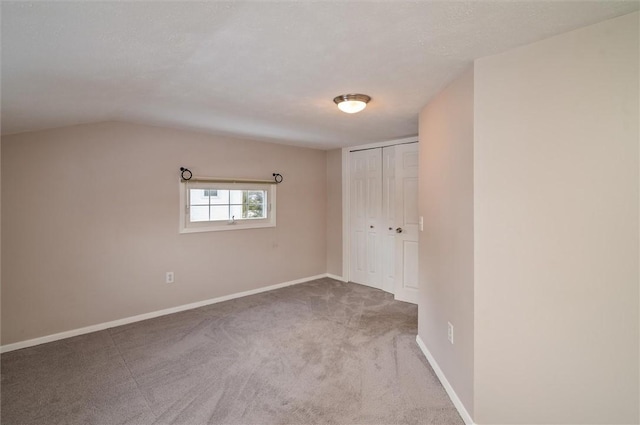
(170, 277)
(450, 332)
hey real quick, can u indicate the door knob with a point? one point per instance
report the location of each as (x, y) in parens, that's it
(399, 230)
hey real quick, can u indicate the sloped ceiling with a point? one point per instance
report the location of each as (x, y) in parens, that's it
(263, 70)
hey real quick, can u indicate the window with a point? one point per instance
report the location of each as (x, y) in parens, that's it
(226, 206)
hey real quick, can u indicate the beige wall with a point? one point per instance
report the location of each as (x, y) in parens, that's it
(90, 224)
(556, 229)
(446, 244)
(334, 212)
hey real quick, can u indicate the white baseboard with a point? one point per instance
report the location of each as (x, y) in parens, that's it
(151, 315)
(336, 277)
(466, 417)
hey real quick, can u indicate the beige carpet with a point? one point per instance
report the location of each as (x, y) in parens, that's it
(322, 352)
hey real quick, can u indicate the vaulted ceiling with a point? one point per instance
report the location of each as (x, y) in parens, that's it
(262, 70)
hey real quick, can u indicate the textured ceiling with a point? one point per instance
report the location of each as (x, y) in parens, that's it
(264, 70)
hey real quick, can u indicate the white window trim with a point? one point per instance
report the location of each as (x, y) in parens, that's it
(215, 226)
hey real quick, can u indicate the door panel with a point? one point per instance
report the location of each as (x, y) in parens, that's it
(358, 259)
(388, 218)
(406, 271)
(410, 265)
(410, 201)
(365, 210)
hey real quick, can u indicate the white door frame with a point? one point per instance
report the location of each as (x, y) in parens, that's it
(346, 198)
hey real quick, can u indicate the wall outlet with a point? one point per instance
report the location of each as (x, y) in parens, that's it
(169, 278)
(450, 332)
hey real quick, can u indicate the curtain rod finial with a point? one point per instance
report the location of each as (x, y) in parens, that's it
(184, 170)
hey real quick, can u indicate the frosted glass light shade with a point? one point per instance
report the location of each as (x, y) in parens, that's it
(352, 103)
(352, 106)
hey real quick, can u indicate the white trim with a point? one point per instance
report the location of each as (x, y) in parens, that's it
(345, 214)
(151, 315)
(335, 277)
(466, 417)
(186, 226)
(404, 300)
(384, 144)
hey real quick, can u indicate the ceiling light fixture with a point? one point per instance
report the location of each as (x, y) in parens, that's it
(352, 103)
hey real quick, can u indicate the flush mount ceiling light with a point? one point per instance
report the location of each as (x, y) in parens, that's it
(352, 103)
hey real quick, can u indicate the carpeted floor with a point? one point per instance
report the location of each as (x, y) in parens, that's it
(321, 352)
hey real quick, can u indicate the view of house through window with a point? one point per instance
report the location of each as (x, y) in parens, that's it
(213, 206)
(228, 205)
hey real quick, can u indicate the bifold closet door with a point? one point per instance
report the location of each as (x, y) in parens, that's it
(388, 216)
(384, 219)
(407, 223)
(365, 217)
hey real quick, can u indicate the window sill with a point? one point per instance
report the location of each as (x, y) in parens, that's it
(224, 227)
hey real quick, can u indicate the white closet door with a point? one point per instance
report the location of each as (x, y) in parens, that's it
(365, 211)
(388, 218)
(407, 223)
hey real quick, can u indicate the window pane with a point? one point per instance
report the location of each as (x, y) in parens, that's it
(199, 213)
(221, 199)
(197, 197)
(236, 211)
(235, 196)
(254, 204)
(220, 212)
(255, 196)
(253, 211)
